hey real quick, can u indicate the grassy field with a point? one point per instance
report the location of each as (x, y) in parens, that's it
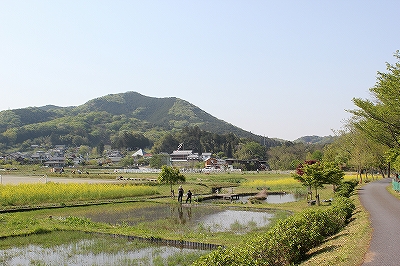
(346, 248)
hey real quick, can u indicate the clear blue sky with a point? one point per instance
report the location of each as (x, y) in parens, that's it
(277, 68)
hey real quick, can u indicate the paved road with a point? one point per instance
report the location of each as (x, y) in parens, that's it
(384, 211)
(12, 179)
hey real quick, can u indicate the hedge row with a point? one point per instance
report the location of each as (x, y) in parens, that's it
(288, 241)
(346, 188)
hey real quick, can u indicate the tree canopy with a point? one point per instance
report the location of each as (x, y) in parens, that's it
(379, 118)
(314, 174)
(170, 175)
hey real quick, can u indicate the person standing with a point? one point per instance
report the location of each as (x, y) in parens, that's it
(180, 194)
(189, 196)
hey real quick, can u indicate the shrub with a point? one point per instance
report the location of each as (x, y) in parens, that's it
(346, 188)
(343, 204)
(288, 241)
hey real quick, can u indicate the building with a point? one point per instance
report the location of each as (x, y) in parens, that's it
(213, 163)
(56, 163)
(141, 153)
(181, 156)
(115, 156)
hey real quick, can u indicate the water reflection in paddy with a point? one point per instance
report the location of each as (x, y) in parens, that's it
(94, 250)
(234, 220)
(197, 217)
(275, 198)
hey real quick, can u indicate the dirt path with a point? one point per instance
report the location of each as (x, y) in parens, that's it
(384, 210)
(13, 179)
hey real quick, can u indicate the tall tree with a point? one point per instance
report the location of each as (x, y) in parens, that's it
(379, 119)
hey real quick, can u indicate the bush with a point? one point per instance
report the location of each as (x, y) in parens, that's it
(343, 204)
(288, 241)
(346, 188)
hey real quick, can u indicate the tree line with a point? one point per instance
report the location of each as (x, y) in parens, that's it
(369, 141)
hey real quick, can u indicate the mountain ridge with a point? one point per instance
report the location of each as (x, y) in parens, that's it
(100, 119)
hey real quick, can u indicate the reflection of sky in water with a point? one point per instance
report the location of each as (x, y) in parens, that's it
(214, 218)
(222, 221)
(69, 254)
(280, 198)
(273, 198)
(195, 215)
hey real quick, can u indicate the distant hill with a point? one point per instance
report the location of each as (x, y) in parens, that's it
(167, 113)
(315, 139)
(100, 119)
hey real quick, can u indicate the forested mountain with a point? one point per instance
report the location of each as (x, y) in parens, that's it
(112, 119)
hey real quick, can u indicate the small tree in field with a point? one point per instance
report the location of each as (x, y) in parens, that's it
(170, 175)
(310, 174)
(314, 174)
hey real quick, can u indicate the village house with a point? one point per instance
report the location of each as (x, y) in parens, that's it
(115, 156)
(56, 163)
(141, 153)
(214, 163)
(40, 157)
(181, 156)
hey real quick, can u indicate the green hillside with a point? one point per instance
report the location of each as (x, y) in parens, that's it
(109, 119)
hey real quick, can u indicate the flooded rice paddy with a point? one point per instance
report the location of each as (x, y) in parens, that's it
(88, 249)
(84, 249)
(194, 216)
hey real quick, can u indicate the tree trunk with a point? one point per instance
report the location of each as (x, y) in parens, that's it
(316, 197)
(317, 202)
(382, 171)
(309, 193)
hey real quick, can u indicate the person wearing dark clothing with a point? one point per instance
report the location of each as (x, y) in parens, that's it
(189, 196)
(180, 194)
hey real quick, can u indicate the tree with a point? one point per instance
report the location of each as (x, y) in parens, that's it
(129, 140)
(127, 161)
(251, 150)
(170, 175)
(379, 119)
(310, 174)
(158, 160)
(314, 174)
(166, 143)
(332, 174)
(289, 155)
(100, 148)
